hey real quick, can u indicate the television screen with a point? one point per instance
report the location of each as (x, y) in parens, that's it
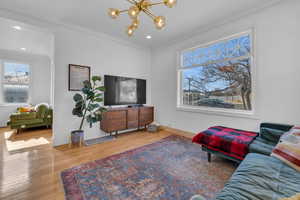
(124, 91)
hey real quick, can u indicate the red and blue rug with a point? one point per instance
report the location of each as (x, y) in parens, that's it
(172, 169)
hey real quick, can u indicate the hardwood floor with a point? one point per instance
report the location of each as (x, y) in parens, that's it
(30, 167)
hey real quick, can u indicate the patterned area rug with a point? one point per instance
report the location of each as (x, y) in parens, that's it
(172, 169)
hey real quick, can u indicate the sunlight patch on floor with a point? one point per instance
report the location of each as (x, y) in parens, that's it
(14, 143)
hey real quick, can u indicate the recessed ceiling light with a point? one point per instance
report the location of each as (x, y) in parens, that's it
(17, 27)
(148, 37)
(23, 49)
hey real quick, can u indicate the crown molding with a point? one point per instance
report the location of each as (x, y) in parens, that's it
(53, 26)
(206, 28)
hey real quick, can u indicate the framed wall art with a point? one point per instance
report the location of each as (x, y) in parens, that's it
(77, 75)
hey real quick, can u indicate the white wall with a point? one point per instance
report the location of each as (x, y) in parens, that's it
(105, 56)
(277, 95)
(40, 80)
(276, 35)
(36, 40)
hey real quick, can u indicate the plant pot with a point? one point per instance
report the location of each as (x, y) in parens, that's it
(77, 136)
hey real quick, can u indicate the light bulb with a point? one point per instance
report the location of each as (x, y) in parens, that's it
(113, 13)
(160, 22)
(133, 12)
(145, 4)
(17, 28)
(170, 3)
(135, 23)
(130, 30)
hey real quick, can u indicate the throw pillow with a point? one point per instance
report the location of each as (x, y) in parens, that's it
(271, 134)
(38, 105)
(295, 131)
(289, 153)
(296, 197)
(292, 136)
(25, 109)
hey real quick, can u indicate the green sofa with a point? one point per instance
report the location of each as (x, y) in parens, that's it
(42, 116)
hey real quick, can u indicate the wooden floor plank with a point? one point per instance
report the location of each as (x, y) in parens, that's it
(34, 172)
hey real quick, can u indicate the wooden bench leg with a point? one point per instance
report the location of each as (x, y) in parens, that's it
(208, 157)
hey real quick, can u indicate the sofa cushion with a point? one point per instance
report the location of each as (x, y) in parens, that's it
(262, 146)
(261, 177)
(270, 134)
(28, 122)
(283, 127)
(289, 152)
(22, 116)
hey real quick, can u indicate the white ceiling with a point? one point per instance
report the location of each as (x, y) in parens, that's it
(187, 16)
(28, 39)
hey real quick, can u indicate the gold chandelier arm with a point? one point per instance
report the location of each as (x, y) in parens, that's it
(158, 3)
(149, 13)
(122, 11)
(132, 2)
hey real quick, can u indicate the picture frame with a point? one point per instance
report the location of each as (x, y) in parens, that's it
(77, 75)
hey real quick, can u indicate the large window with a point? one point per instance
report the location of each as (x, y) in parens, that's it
(15, 82)
(218, 75)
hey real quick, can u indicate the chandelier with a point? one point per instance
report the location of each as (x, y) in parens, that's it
(139, 6)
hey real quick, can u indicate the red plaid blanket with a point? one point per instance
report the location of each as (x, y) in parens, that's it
(231, 142)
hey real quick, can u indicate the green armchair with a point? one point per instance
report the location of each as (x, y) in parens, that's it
(42, 116)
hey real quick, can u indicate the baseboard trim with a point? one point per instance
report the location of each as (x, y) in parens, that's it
(177, 131)
(161, 128)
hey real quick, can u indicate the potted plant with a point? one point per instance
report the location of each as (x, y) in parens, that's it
(87, 106)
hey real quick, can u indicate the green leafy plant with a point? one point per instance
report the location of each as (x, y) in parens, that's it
(87, 104)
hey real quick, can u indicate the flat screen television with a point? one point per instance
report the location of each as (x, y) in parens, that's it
(124, 91)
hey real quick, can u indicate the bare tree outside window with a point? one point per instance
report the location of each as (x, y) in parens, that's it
(218, 75)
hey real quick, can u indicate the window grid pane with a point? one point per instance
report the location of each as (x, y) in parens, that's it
(16, 82)
(220, 51)
(226, 84)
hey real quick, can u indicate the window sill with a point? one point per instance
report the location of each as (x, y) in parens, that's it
(14, 104)
(219, 111)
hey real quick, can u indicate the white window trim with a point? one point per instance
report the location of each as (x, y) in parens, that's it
(4, 104)
(219, 111)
